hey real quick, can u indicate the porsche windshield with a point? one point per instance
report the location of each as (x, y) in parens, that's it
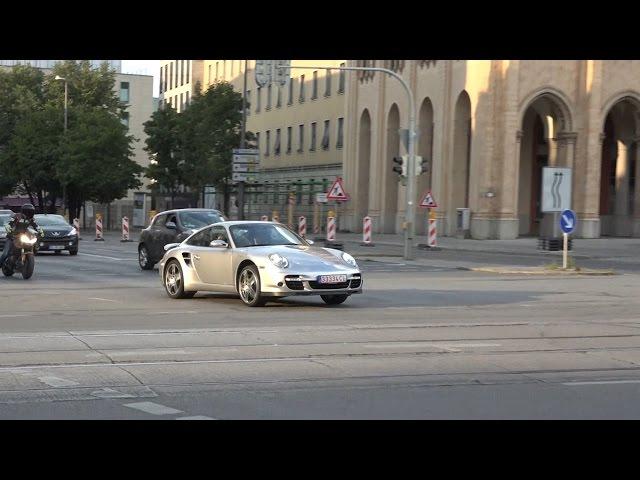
(262, 234)
(198, 219)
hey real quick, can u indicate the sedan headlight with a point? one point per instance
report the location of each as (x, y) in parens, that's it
(27, 240)
(278, 260)
(349, 259)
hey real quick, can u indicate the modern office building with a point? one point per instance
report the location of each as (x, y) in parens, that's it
(178, 80)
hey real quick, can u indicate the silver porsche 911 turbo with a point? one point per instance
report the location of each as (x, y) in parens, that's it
(257, 260)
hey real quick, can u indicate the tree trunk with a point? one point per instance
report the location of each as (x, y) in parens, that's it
(41, 204)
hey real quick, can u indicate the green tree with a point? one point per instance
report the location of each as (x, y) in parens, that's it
(164, 149)
(95, 159)
(209, 131)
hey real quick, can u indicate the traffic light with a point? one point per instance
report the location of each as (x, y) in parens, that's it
(422, 165)
(401, 165)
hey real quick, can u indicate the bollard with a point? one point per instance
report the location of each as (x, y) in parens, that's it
(432, 241)
(302, 226)
(99, 237)
(366, 232)
(125, 229)
(76, 225)
(331, 229)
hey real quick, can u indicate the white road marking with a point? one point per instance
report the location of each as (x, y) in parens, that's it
(153, 408)
(101, 256)
(13, 315)
(152, 352)
(57, 382)
(603, 382)
(111, 393)
(104, 299)
(195, 417)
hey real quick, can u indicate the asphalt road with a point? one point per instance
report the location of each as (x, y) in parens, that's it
(95, 337)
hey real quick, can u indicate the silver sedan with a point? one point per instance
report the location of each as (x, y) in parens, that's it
(257, 260)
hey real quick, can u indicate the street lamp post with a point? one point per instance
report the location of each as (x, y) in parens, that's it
(66, 97)
(242, 140)
(412, 135)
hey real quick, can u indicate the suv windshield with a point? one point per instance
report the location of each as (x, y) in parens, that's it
(263, 234)
(50, 220)
(4, 219)
(198, 219)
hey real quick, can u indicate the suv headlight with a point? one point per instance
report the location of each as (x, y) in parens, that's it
(278, 260)
(349, 259)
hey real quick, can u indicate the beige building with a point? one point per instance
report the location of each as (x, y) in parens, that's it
(300, 130)
(178, 79)
(488, 127)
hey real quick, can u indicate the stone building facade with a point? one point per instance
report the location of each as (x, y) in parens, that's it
(488, 127)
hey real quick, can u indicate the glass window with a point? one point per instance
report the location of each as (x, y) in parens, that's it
(300, 138)
(258, 141)
(181, 72)
(171, 76)
(301, 98)
(258, 99)
(187, 72)
(248, 102)
(312, 147)
(269, 97)
(217, 70)
(268, 145)
(125, 119)
(199, 218)
(290, 101)
(289, 135)
(342, 79)
(124, 92)
(325, 137)
(314, 90)
(279, 100)
(276, 147)
(263, 234)
(219, 233)
(201, 239)
(340, 133)
(327, 88)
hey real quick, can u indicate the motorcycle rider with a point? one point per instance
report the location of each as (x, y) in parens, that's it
(18, 224)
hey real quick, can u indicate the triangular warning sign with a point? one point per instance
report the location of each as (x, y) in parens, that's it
(428, 201)
(337, 192)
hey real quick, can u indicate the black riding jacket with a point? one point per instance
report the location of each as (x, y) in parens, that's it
(19, 224)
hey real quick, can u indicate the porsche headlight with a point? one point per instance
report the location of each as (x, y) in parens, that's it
(349, 259)
(26, 239)
(278, 260)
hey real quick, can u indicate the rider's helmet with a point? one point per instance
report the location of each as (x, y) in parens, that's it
(28, 210)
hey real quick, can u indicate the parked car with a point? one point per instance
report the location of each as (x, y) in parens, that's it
(58, 234)
(172, 226)
(258, 261)
(6, 212)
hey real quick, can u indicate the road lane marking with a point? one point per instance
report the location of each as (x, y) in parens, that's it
(603, 382)
(57, 382)
(111, 393)
(102, 256)
(195, 417)
(153, 408)
(104, 299)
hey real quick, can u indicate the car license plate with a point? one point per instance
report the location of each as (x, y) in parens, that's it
(57, 247)
(332, 279)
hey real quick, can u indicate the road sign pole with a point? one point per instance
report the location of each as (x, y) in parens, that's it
(565, 249)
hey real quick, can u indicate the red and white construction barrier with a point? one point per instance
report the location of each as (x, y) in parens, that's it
(302, 226)
(264, 218)
(99, 237)
(125, 230)
(331, 229)
(431, 240)
(366, 231)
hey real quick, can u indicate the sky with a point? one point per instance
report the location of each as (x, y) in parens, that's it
(144, 67)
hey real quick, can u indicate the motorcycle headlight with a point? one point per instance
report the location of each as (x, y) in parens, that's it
(26, 239)
(278, 260)
(349, 259)
(73, 232)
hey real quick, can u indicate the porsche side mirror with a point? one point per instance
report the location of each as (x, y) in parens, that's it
(219, 244)
(171, 225)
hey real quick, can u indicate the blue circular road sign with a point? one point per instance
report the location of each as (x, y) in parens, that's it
(568, 221)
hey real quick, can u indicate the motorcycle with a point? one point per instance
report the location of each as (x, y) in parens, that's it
(22, 258)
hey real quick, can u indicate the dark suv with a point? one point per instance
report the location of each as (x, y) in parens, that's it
(172, 226)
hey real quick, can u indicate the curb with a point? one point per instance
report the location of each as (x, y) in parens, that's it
(558, 272)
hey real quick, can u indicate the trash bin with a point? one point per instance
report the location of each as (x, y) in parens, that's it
(463, 216)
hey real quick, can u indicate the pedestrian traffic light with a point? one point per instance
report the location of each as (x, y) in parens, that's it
(401, 165)
(422, 166)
